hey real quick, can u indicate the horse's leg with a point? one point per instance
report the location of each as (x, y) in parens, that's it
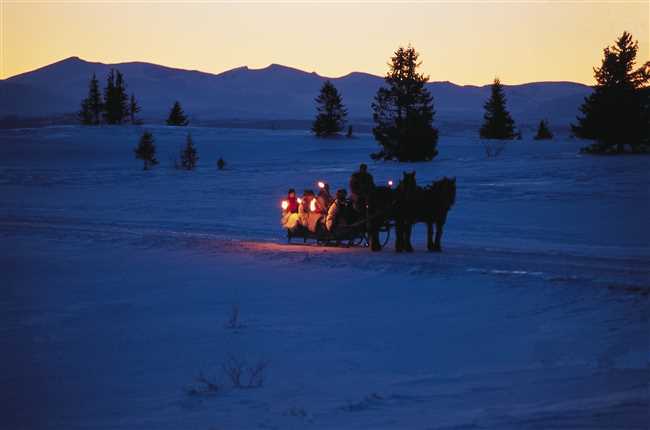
(408, 228)
(430, 246)
(399, 236)
(436, 245)
(374, 240)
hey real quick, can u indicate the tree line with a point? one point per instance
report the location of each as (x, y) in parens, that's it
(115, 106)
(616, 113)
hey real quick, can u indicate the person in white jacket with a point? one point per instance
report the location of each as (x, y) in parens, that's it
(335, 218)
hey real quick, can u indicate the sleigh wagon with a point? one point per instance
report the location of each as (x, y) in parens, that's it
(352, 235)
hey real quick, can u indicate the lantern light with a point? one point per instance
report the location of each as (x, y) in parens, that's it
(390, 182)
(312, 205)
(321, 184)
(285, 205)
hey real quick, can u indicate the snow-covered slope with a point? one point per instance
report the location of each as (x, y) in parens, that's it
(117, 286)
(274, 92)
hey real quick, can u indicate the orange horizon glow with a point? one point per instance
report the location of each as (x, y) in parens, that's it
(465, 43)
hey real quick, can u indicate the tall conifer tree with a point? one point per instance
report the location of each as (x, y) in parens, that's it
(331, 113)
(498, 122)
(617, 112)
(403, 112)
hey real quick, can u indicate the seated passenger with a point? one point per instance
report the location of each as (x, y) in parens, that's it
(310, 214)
(336, 218)
(290, 217)
(324, 199)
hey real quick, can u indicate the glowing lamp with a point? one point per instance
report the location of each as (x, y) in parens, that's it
(321, 184)
(312, 205)
(390, 182)
(285, 205)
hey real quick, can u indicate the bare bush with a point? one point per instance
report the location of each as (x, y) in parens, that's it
(494, 149)
(242, 375)
(233, 322)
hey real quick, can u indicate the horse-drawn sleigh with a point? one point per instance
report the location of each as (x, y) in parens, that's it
(370, 223)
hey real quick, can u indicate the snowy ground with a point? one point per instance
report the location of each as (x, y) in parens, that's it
(117, 285)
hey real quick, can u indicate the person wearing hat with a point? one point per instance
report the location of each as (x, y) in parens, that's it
(310, 214)
(361, 184)
(336, 213)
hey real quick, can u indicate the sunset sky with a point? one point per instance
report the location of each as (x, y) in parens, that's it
(462, 42)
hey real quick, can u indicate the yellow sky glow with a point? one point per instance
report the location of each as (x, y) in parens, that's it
(463, 42)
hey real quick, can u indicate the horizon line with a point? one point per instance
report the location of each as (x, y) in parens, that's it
(75, 57)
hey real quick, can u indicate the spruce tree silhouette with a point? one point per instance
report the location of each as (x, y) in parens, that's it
(189, 156)
(617, 112)
(403, 112)
(177, 116)
(115, 99)
(146, 150)
(543, 132)
(92, 106)
(498, 122)
(331, 113)
(134, 108)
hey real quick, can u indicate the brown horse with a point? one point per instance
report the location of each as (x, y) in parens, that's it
(438, 198)
(429, 205)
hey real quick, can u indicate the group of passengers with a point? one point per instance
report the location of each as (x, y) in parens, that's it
(323, 213)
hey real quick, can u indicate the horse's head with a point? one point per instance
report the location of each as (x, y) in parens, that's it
(448, 186)
(445, 189)
(408, 184)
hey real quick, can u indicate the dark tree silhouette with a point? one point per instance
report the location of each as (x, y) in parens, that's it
(403, 112)
(221, 163)
(116, 109)
(498, 122)
(92, 106)
(617, 113)
(146, 150)
(189, 156)
(349, 133)
(331, 115)
(543, 132)
(134, 108)
(177, 116)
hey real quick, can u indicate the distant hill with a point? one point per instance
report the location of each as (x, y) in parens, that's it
(273, 93)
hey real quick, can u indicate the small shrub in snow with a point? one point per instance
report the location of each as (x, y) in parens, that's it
(204, 386)
(494, 149)
(242, 375)
(233, 322)
(189, 156)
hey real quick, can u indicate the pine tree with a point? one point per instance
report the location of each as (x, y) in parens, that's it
(331, 115)
(177, 116)
(403, 112)
(188, 154)
(617, 112)
(92, 106)
(498, 122)
(134, 108)
(146, 150)
(116, 109)
(122, 103)
(543, 132)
